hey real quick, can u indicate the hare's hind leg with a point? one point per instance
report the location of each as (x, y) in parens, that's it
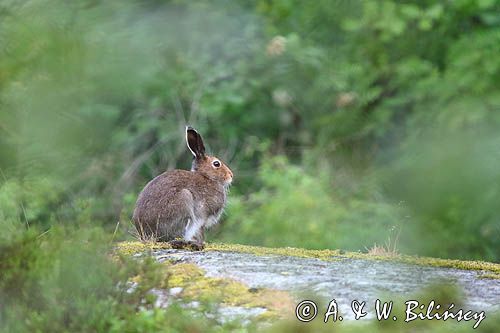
(192, 239)
(194, 223)
(192, 227)
(181, 244)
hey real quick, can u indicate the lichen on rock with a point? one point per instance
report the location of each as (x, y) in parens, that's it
(491, 270)
(195, 286)
(270, 281)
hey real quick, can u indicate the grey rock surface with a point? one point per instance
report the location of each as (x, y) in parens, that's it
(344, 280)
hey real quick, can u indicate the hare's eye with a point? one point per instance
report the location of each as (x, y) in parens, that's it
(216, 164)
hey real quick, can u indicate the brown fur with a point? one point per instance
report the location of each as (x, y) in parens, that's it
(176, 198)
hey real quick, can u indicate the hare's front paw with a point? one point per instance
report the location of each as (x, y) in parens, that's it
(178, 244)
(196, 246)
(181, 244)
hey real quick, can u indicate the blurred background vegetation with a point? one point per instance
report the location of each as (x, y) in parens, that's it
(347, 123)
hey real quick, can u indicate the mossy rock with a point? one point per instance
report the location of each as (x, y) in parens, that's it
(226, 292)
(278, 278)
(491, 270)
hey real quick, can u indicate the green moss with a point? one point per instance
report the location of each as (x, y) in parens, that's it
(180, 275)
(495, 276)
(284, 251)
(451, 263)
(196, 286)
(492, 269)
(328, 255)
(129, 248)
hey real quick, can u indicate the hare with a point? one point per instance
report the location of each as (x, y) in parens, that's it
(178, 205)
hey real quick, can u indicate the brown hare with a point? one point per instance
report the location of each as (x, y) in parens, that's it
(178, 205)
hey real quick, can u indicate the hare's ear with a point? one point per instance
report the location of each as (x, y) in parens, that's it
(195, 142)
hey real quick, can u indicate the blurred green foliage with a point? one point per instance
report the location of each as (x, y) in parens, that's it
(69, 280)
(342, 120)
(307, 211)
